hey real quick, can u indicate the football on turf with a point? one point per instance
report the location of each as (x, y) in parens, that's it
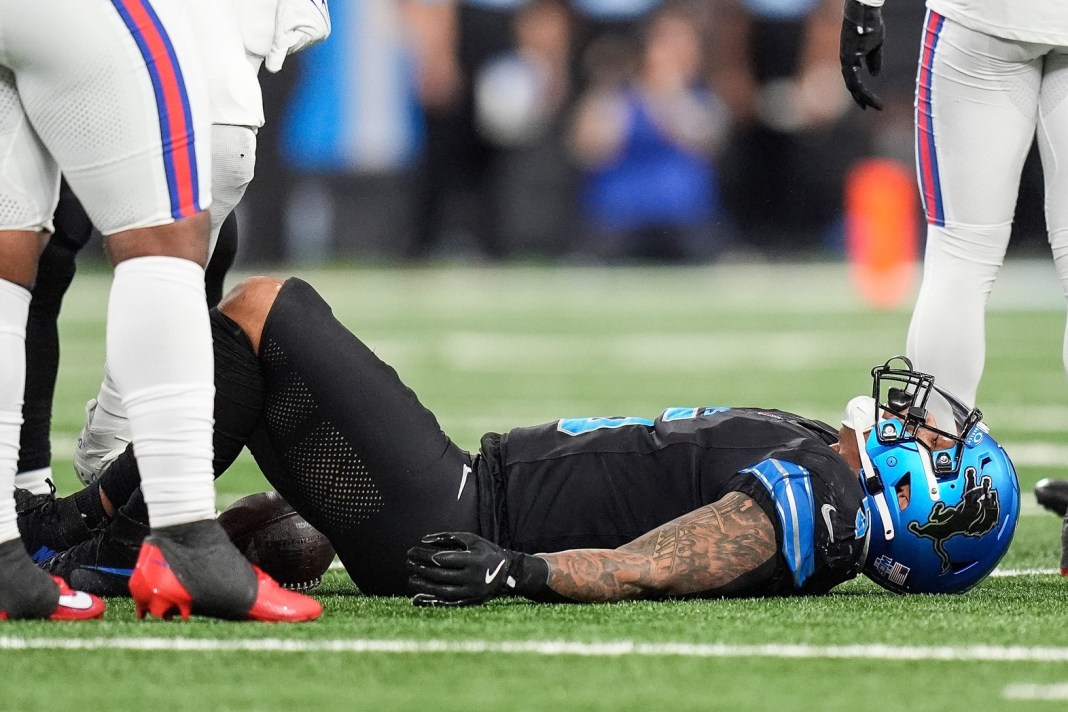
(273, 536)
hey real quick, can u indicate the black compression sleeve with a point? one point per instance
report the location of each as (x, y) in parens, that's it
(222, 259)
(55, 271)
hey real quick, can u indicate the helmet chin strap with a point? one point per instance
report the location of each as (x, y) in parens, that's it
(860, 417)
(932, 481)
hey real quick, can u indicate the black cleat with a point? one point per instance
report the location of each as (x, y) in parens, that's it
(103, 564)
(1053, 495)
(49, 524)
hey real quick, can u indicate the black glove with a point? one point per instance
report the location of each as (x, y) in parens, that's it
(861, 42)
(463, 569)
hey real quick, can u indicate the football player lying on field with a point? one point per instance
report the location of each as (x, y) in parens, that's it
(700, 501)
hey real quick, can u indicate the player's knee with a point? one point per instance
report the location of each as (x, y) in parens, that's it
(186, 238)
(249, 303)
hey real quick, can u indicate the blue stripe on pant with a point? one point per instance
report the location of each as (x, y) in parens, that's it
(790, 487)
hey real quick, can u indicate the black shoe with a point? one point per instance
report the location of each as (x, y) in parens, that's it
(25, 590)
(1053, 495)
(49, 525)
(103, 564)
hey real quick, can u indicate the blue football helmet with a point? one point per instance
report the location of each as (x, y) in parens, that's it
(942, 501)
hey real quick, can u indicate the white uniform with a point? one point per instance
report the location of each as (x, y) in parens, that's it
(991, 73)
(235, 36)
(235, 91)
(80, 107)
(1043, 21)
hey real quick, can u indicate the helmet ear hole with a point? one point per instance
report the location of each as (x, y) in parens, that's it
(903, 488)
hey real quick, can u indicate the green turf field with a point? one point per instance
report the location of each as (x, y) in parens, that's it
(489, 349)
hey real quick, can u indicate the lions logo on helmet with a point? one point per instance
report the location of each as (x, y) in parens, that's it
(975, 515)
(944, 501)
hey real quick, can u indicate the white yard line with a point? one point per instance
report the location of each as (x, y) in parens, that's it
(1010, 573)
(612, 649)
(1034, 691)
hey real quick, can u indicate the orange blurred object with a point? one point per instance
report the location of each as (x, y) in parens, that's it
(882, 231)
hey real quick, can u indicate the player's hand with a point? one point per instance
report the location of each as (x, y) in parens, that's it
(861, 44)
(298, 24)
(459, 569)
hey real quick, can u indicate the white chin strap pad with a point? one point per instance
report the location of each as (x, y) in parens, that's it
(860, 414)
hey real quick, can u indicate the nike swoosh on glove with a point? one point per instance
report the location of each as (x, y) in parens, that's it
(463, 569)
(298, 24)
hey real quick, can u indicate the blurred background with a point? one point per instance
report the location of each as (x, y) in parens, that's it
(585, 131)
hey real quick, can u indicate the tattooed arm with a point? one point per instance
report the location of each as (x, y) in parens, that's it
(717, 549)
(702, 552)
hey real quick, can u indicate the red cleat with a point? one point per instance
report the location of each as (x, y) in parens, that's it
(157, 591)
(274, 603)
(73, 605)
(76, 605)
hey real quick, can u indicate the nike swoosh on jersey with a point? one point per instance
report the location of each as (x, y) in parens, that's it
(79, 600)
(463, 481)
(827, 509)
(490, 575)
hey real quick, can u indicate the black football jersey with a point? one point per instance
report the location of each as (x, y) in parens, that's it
(602, 482)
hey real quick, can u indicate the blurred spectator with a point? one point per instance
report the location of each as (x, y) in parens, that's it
(783, 171)
(342, 129)
(646, 137)
(453, 41)
(519, 100)
(607, 27)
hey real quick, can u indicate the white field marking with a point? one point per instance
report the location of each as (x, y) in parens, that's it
(610, 649)
(1011, 573)
(1034, 691)
(1037, 454)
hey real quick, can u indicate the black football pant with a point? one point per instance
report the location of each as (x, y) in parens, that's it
(338, 435)
(351, 447)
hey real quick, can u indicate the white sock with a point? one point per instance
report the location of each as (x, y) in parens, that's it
(35, 481)
(14, 310)
(160, 355)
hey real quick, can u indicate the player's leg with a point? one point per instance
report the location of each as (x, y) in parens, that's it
(48, 524)
(976, 108)
(29, 183)
(222, 259)
(146, 197)
(106, 431)
(24, 591)
(345, 441)
(102, 561)
(235, 110)
(1053, 149)
(55, 270)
